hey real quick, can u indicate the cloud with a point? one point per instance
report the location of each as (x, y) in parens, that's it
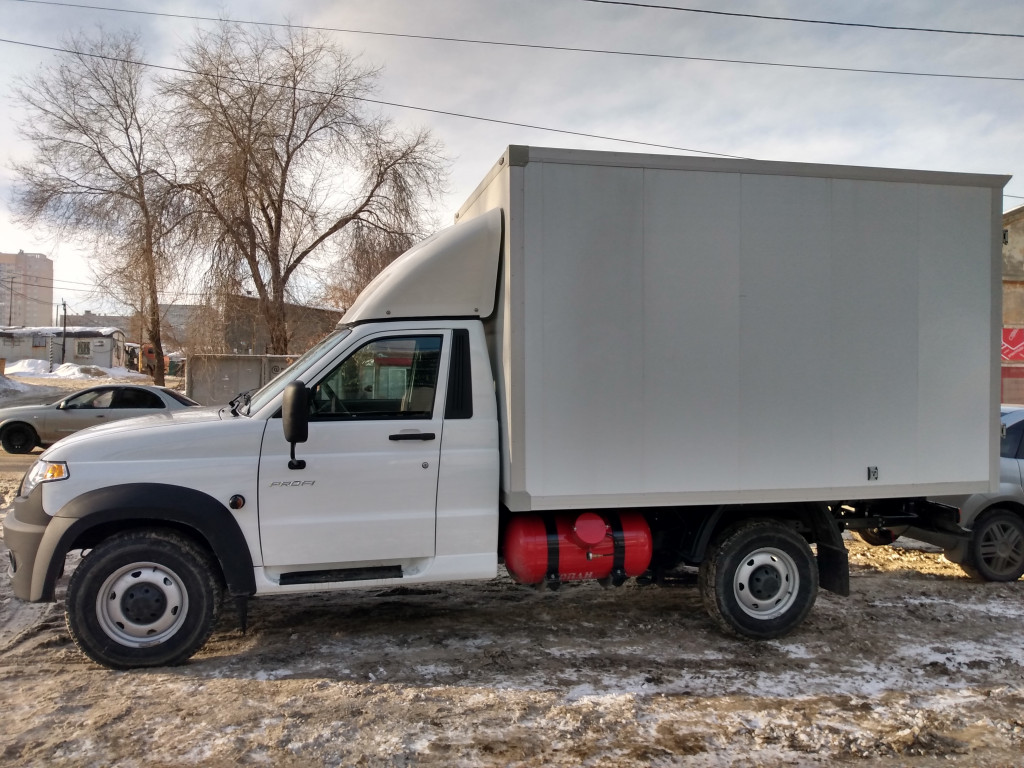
(755, 111)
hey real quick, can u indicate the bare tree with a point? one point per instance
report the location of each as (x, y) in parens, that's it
(283, 158)
(365, 255)
(98, 167)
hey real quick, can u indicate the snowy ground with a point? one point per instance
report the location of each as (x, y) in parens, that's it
(40, 369)
(26, 381)
(919, 667)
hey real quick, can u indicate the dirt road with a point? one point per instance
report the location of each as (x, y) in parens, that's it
(920, 667)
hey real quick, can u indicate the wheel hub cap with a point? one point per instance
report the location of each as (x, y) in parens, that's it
(142, 604)
(767, 583)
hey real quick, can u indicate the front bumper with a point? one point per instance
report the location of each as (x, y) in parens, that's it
(24, 528)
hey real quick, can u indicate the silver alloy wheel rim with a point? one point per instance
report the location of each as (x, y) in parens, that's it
(142, 604)
(766, 583)
(1002, 547)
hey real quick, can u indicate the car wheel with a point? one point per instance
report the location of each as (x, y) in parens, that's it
(759, 580)
(18, 438)
(143, 599)
(996, 550)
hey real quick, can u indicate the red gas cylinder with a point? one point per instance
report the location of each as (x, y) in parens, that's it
(575, 547)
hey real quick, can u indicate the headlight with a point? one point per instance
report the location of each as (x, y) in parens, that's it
(43, 472)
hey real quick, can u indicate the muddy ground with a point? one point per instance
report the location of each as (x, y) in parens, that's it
(919, 667)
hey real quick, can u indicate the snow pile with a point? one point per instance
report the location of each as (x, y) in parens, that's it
(40, 369)
(8, 386)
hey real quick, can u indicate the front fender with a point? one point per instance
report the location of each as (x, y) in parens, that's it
(86, 519)
(33, 424)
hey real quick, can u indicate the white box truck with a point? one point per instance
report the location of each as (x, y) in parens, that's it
(611, 366)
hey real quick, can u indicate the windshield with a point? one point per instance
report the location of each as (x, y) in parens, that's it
(272, 388)
(176, 395)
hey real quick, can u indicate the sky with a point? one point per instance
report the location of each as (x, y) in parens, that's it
(526, 93)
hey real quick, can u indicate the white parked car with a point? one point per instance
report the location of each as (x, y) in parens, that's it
(24, 427)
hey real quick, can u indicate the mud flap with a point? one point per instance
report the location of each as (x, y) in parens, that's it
(834, 569)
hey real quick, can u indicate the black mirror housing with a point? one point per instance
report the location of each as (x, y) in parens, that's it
(295, 413)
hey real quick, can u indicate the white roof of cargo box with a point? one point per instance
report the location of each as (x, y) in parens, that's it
(452, 274)
(518, 155)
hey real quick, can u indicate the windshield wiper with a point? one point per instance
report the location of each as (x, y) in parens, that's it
(239, 401)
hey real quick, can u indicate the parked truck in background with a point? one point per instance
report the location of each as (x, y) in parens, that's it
(612, 365)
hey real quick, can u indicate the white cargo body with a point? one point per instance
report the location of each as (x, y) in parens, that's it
(680, 331)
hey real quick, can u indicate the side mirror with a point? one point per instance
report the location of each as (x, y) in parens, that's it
(295, 419)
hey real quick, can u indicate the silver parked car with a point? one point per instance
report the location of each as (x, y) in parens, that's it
(24, 427)
(995, 549)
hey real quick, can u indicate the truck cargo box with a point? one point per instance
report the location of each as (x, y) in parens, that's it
(678, 330)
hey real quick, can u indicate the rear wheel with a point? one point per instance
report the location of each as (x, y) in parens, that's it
(878, 537)
(143, 599)
(996, 551)
(759, 580)
(18, 438)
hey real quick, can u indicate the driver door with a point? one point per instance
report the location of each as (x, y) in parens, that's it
(84, 409)
(368, 491)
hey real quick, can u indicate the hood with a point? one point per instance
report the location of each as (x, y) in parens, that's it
(24, 411)
(189, 432)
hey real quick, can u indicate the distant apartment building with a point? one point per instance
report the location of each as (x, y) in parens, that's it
(26, 289)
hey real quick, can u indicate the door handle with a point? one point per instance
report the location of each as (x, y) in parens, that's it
(412, 436)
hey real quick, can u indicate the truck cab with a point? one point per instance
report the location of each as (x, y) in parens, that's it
(396, 478)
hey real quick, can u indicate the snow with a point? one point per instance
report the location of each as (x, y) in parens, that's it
(919, 666)
(9, 385)
(57, 330)
(40, 369)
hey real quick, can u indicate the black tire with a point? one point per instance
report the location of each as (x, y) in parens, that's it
(143, 599)
(19, 438)
(759, 579)
(996, 550)
(879, 537)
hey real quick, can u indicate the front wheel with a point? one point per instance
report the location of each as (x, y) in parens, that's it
(18, 438)
(143, 599)
(759, 580)
(996, 551)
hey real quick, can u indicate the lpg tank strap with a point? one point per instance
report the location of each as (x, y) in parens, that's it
(551, 527)
(619, 547)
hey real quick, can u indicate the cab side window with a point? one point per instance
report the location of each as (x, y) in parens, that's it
(392, 378)
(94, 398)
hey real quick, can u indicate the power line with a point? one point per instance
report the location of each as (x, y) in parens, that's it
(380, 102)
(791, 19)
(483, 42)
(539, 47)
(26, 297)
(49, 282)
(6, 292)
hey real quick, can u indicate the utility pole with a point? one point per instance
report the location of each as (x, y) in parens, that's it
(10, 307)
(64, 335)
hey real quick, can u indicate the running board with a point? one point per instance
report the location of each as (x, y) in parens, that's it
(341, 574)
